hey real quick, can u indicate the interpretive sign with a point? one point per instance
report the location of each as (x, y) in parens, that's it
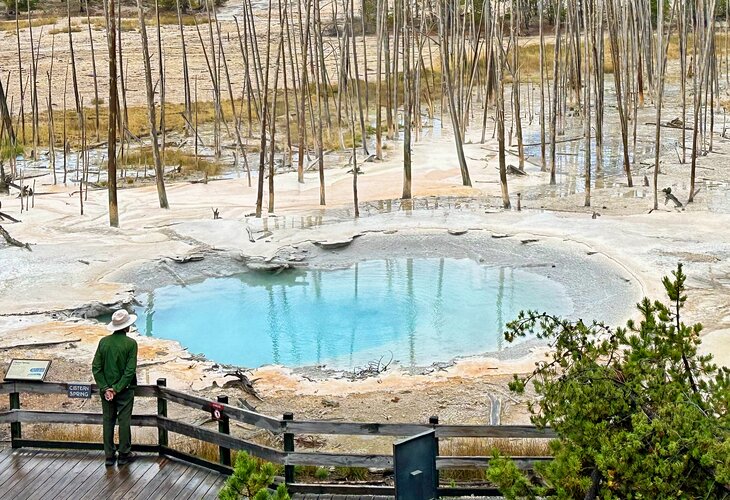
(33, 370)
(81, 391)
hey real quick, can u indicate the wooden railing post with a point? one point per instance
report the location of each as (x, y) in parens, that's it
(288, 447)
(162, 439)
(15, 432)
(434, 420)
(224, 427)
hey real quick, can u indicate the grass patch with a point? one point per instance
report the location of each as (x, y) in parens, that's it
(485, 447)
(321, 474)
(8, 150)
(171, 18)
(23, 23)
(56, 31)
(138, 159)
(82, 433)
(99, 23)
(352, 473)
(137, 121)
(132, 23)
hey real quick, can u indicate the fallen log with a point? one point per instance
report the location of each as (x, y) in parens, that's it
(511, 169)
(3, 216)
(668, 125)
(37, 344)
(670, 197)
(242, 382)
(12, 241)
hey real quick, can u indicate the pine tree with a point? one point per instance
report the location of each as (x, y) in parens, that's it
(251, 479)
(639, 413)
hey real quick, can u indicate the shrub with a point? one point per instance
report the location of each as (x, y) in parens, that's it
(321, 474)
(639, 413)
(23, 5)
(352, 473)
(251, 479)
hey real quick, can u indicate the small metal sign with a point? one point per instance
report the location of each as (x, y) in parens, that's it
(414, 463)
(80, 391)
(33, 370)
(216, 411)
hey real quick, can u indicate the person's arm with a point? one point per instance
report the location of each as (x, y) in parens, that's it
(129, 370)
(97, 369)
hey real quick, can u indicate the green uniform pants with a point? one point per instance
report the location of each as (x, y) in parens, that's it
(118, 410)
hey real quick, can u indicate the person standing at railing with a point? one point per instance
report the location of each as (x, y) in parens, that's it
(114, 369)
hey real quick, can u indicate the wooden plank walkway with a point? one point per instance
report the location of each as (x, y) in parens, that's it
(79, 475)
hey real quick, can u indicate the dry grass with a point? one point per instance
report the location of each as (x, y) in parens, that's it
(93, 434)
(486, 447)
(210, 452)
(138, 121)
(171, 18)
(82, 433)
(530, 56)
(132, 23)
(56, 31)
(138, 159)
(99, 23)
(197, 448)
(23, 23)
(8, 150)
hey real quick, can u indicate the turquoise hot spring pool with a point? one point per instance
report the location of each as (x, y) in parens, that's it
(418, 310)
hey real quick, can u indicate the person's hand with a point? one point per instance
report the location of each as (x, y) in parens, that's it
(109, 394)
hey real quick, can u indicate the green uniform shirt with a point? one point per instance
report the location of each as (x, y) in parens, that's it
(115, 362)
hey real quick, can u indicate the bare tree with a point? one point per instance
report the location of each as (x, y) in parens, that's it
(113, 105)
(159, 168)
(448, 8)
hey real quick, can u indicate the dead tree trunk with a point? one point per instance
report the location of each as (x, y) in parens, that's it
(407, 77)
(186, 74)
(303, 87)
(501, 56)
(159, 169)
(449, 83)
(587, 102)
(516, 109)
(113, 110)
(161, 68)
(554, 103)
(613, 7)
(93, 69)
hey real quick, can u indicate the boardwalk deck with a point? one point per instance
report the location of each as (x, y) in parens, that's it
(79, 475)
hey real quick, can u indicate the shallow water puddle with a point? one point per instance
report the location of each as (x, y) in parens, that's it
(420, 310)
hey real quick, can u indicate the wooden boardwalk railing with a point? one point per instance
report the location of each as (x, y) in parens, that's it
(286, 426)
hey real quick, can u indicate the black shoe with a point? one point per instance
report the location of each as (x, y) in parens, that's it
(109, 461)
(124, 459)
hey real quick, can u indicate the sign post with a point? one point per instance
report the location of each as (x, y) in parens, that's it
(216, 410)
(23, 370)
(79, 390)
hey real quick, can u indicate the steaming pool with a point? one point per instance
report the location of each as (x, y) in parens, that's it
(420, 310)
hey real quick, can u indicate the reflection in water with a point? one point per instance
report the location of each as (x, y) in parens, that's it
(273, 329)
(149, 314)
(438, 304)
(421, 310)
(500, 299)
(411, 312)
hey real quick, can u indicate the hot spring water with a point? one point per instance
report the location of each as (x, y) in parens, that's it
(420, 310)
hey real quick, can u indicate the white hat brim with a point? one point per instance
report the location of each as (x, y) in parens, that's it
(113, 328)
